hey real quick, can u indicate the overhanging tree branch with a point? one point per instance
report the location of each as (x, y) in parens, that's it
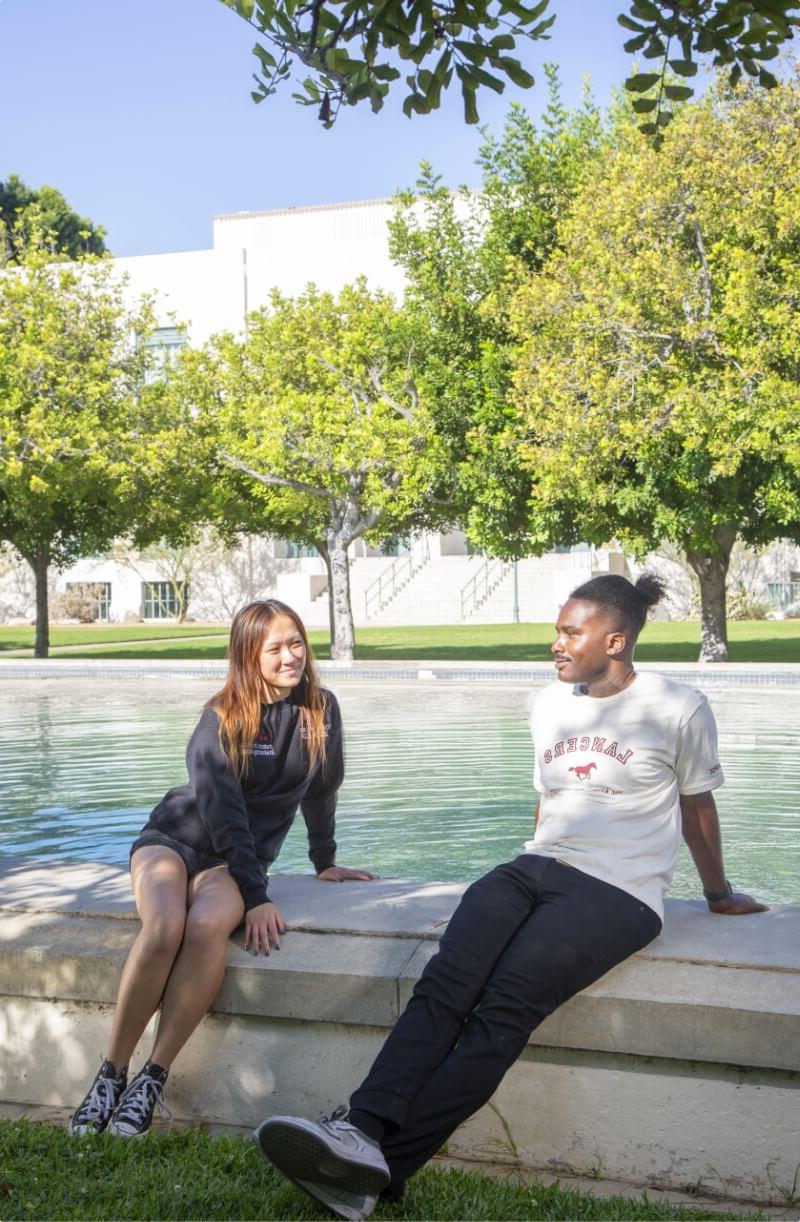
(275, 480)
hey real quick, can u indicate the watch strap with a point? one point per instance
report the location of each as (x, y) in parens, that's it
(713, 896)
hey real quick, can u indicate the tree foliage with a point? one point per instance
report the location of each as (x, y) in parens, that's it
(658, 364)
(463, 256)
(44, 217)
(79, 438)
(354, 48)
(320, 432)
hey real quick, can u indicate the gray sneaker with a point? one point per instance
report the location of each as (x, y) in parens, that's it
(329, 1154)
(343, 1204)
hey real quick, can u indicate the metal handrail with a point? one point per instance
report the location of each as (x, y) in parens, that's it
(479, 587)
(783, 594)
(388, 584)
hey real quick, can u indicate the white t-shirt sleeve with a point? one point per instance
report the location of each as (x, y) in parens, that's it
(697, 766)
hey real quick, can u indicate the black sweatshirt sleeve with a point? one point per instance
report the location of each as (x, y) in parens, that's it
(319, 804)
(221, 807)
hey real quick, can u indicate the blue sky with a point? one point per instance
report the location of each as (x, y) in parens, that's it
(140, 112)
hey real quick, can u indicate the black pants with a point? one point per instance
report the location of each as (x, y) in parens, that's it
(524, 938)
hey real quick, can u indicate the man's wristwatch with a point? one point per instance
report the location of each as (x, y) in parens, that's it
(713, 896)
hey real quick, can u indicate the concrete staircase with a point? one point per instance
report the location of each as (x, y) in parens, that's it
(453, 589)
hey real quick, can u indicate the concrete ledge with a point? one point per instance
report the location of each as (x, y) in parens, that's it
(647, 1075)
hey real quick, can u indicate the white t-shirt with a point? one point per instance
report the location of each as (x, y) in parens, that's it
(610, 772)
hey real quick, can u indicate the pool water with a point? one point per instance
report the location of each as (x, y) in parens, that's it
(438, 779)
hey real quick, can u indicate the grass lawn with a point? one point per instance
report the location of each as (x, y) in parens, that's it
(106, 634)
(45, 1173)
(762, 641)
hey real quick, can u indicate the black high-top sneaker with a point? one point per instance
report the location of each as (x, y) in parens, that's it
(134, 1112)
(104, 1094)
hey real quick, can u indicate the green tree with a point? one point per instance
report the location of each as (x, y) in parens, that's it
(77, 433)
(353, 48)
(659, 350)
(43, 215)
(320, 431)
(463, 256)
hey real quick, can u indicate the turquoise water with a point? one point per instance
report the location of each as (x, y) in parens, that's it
(438, 775)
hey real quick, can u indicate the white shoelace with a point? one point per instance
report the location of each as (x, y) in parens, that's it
(337, 1118)
(147, 1093)
(101, 1100)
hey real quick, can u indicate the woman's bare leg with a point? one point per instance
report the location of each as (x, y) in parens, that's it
(215, 909)
(160, 890)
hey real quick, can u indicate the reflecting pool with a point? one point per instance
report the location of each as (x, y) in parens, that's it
(438, 775)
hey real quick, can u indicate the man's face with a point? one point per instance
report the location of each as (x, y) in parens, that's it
(586, 642)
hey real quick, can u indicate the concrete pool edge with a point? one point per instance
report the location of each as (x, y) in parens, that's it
(702, 674)
(635, 1076)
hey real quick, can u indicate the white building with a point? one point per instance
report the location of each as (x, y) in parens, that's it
(434, 580)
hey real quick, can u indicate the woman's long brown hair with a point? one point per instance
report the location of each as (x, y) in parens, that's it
(238, 703)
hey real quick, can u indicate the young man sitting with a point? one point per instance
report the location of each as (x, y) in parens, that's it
(625, 762)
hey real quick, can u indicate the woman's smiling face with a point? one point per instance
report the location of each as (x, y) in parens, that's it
(283, 656)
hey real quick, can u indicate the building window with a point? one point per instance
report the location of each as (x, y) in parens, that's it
(164, 600)
(89, 600)
(287, 549)
(162, 348)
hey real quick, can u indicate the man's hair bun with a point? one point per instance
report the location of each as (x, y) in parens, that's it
(650, 587)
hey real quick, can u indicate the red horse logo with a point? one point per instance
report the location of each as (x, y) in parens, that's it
(583, 771)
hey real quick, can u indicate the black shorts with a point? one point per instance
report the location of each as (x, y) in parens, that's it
(194, 861)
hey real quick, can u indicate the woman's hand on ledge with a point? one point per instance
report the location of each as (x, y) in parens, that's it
(338, 874)
(263, 926)
(738, 904)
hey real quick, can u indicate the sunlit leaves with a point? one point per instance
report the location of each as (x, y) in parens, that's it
(736, 34)
(78, 427)
(659, 362)
(352, 49)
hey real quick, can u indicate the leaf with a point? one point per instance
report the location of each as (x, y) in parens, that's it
(655, 48)
(683, 67)
(413, 104)
(516, 73)
(485, 78)
(646, 10)
(267, 60)
(503, 42)
(767, 79)
(643, 106)
(629, 24)
(476, 54)
(470, 105)
(678, 93)
(538, 31)
(641, 81)
(636, 44)
(442, 69)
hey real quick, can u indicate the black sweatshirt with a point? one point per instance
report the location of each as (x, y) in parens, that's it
(245, 823)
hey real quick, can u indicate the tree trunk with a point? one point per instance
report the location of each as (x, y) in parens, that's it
(342, 632)
(711, 571)
(40, 563)
(323, 551)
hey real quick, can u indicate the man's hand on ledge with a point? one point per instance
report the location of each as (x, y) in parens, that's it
(338, 874)
(737, 904)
